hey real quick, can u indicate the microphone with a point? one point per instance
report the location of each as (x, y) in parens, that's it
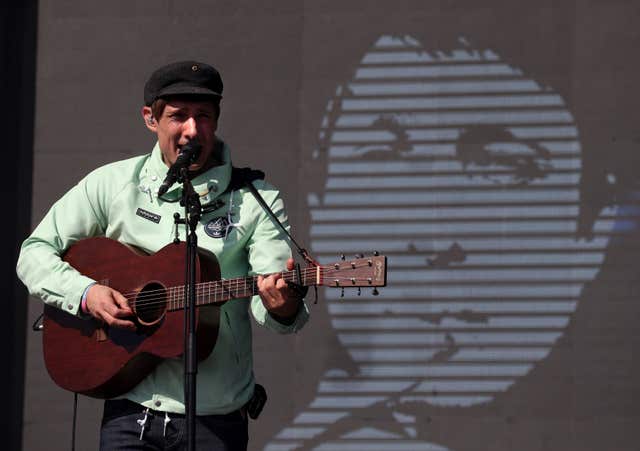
(188, 154)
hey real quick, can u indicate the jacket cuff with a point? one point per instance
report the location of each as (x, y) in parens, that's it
(271, 323)
(74, 293)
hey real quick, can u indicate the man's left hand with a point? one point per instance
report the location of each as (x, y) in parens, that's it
(277, 297)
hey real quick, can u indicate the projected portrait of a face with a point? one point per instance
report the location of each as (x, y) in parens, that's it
(464, 171)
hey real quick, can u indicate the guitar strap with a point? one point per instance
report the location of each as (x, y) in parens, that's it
(244, 177)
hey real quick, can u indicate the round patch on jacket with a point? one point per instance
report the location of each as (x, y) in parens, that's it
(217, 227)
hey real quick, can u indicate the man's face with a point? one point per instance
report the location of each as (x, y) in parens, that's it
(182, 121)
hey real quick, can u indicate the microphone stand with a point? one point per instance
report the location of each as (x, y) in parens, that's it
(193, 210)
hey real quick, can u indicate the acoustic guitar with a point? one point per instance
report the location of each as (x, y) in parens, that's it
(88, 357)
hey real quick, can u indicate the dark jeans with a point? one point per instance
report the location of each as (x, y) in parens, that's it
(121, 429)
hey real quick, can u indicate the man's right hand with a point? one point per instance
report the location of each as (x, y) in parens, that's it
(109, 306)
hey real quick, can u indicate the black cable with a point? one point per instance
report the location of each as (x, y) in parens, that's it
(73, 426)
(38, 327)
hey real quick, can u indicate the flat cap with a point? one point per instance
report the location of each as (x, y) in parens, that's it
(183, 77)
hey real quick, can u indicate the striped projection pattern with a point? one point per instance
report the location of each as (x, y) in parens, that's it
(464, 171)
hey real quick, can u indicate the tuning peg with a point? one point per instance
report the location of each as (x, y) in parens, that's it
(342, 292)
(342, 257)
(376, 253)
(375, 292)
(359, 291)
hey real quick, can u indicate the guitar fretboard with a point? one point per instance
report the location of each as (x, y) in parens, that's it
(219, 291)
(362, 272)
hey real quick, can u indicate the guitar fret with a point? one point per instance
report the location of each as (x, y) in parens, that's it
(215, 292)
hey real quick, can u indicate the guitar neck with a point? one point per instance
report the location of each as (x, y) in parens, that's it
(219, 291)
(361, 272)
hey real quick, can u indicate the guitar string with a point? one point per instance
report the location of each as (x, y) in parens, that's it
(209, 288)
(237, 281)
(152, 298)
(308, 271)
(149, 300)
(212, 288)
(284, 274)
(176, 301)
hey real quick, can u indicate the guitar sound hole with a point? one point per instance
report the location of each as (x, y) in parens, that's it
(151, 303)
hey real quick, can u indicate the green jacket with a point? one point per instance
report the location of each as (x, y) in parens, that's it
(113, 201)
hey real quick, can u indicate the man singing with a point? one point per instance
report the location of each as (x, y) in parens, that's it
(120, 201)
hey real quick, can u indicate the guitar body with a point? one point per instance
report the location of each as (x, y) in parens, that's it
(87, 357)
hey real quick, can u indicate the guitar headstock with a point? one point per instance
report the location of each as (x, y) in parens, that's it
(359, 272)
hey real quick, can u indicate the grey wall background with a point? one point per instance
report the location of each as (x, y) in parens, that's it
(281, 64)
